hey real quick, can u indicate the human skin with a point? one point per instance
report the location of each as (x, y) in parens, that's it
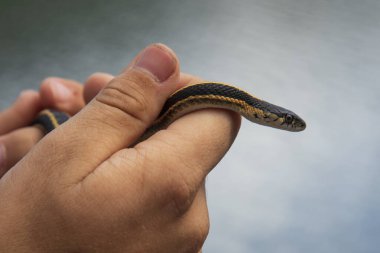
(81, 189)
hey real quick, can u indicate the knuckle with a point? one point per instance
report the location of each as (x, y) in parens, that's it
(129, 95)
(180, 195)
(45, 82)
(196, 237)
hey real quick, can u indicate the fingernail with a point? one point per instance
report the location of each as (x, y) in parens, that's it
(60, 91)
(2, 156)
(158, 60)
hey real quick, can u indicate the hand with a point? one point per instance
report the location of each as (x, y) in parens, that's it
(80, 189)
(17, 136)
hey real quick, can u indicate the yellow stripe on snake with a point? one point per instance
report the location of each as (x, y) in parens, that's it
(200, 96)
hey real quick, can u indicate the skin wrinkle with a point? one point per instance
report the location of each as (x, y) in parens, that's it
(109, 110)
(85, 176)
(94, 192)
(139, 84)
(70, 154)
(127, 162)
(134, 107)
(141, 157)
(147, 73)
(144, 86)
(140, 110)
(129, 120)
(125, 159)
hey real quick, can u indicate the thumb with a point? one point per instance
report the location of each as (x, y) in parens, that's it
(118, 115)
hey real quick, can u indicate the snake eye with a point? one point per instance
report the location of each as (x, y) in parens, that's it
(288, 118)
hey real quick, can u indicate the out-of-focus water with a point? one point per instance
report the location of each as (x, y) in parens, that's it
(315, 191)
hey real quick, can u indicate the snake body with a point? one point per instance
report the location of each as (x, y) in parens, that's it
(200, 96)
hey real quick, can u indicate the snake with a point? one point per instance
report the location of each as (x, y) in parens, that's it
(200, 96)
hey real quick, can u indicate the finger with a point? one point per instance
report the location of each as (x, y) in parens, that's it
(174, 161)
(15, 145)
(194, 144)
(62, 94)
(117, 117)
(21, 113)
(94, 84)
(97, 81)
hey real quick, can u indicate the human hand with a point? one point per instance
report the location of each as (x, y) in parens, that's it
(81, 189)
(17, 136)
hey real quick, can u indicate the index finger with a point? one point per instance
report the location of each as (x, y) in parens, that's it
(199, 139)
(21, 113)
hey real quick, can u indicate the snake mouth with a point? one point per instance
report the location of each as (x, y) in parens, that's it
(299, 125)
(303, 125)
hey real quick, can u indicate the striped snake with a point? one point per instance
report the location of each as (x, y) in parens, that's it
(200, 96)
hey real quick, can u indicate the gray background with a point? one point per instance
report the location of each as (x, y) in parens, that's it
(315, 191)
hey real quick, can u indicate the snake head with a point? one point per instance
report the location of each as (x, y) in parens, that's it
(292, 122)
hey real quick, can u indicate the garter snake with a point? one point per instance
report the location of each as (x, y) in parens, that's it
(200, 96)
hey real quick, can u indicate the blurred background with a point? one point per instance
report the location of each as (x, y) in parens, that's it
(275, 191)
